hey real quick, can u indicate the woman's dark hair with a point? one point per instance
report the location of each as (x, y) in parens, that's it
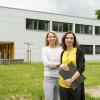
(75, 44)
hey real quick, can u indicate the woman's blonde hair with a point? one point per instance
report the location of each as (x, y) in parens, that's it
(46, 41)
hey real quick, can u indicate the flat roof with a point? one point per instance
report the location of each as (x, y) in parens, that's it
(48, 13)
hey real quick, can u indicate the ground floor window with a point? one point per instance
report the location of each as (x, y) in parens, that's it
(88, 49)
(97, 49)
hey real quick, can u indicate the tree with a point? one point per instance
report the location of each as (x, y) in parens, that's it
(98, 13)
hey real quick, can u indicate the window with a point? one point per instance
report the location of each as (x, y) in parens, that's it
(88, 29)
(29, 24)
(36, 24)
(67, 27)
(97, 30)
(85, 29)
(88, 49)
(55, 26)
(43, 25)
(97, 49)
(61, 26)
(77, 28)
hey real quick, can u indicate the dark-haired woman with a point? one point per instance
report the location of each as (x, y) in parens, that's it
(71, 53)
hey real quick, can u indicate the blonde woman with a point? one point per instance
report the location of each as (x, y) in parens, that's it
(51, 60)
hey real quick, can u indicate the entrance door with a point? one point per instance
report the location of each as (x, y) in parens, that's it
(6, 50)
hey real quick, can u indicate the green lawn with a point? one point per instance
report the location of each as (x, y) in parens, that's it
(92, 72)
(26, 80)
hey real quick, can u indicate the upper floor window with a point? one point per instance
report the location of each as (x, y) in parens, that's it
(61, 27)
(36, 24)
(29, 23)
(97, 49)
(97, 30)
(85, 29)
(88, 49)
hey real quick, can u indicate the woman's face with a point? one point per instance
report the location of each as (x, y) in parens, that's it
(51, 39)
(69, 40)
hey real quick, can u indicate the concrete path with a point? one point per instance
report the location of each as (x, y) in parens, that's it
(93, 91)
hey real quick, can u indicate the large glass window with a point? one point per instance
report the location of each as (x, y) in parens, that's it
(88, 29)
(61, 26)
(97, 30)
(88, 49)
(43, 25)
(97, 49)
(54, 26)
(85, 29)
(29, 23)
(77, 28)
(67, 27)
(36, 24)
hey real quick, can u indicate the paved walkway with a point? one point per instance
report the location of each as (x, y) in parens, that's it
(93, 91)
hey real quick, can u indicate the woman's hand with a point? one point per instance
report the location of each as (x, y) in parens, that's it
(55, 66)
(68, 82)
(64, 67)
(58, 66)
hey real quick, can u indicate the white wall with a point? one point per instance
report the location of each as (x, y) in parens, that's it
(13, 28)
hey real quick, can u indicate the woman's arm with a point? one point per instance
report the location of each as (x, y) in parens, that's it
(80, 67)
(46, 61)
(80, 61)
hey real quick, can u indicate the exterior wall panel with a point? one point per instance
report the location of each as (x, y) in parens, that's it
(13, 29)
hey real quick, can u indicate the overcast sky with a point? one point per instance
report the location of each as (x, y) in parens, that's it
(82, 8)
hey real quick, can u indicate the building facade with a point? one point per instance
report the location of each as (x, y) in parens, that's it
(22, 33)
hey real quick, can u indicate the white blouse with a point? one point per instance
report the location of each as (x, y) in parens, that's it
(51, 58)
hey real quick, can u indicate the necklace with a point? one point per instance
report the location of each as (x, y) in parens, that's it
(67, 55)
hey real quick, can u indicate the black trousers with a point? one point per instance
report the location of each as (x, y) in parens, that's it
(69, 94)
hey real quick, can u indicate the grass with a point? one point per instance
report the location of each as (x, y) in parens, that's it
(92, 72)
(21, 80)
(91, 98)
(25, 81)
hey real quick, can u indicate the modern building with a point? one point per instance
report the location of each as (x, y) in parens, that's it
(22, 33)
